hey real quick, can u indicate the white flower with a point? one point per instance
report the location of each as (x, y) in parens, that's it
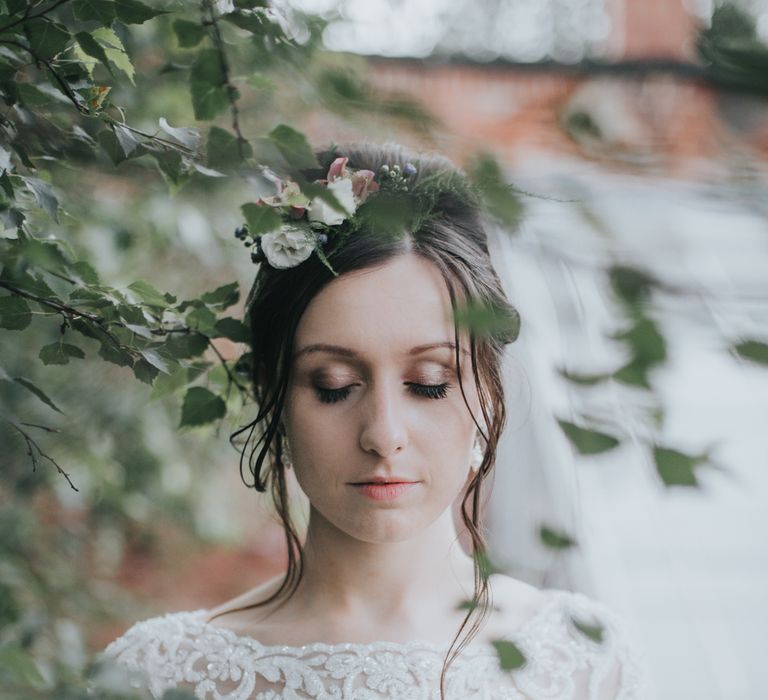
(322, 211)
(287, 247)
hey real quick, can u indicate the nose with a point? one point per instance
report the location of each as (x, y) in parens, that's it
(383, 419)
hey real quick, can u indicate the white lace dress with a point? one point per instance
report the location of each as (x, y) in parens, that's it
(563, 660)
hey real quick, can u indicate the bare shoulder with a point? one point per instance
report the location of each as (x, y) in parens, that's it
(228, 615)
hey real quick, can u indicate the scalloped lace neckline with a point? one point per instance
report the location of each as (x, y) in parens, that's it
(521, 633)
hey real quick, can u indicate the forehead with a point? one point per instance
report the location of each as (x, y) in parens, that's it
(390, 309)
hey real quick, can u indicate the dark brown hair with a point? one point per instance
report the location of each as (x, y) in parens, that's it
(455, 241)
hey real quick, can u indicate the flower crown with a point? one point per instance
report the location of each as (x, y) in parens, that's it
(301, 220)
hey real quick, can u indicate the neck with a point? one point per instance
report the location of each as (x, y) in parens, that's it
(385, 584)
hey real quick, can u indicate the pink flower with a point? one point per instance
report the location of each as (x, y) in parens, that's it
(338, 169)
(363, 184)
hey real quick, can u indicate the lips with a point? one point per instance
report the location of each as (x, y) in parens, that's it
(385, 491)
(385, 480)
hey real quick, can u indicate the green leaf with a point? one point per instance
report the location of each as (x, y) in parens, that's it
(144, 371)
(202, 319)
(59, 353)
(201, 406)
(233, 329)
(223, 150)
(260, 218)
(43, 193)
(171, 165)
(116, 53)
(208, 85)
(593, 632)
(634, 286)
(15, 314)
(189, 34)
(17, 668)
(151, 296)
(92, 48)
(510, 655)
(46, 38)
(223, 296)
(116, 355)
(126, 138)
(588, 442)
(752, 350)
(102, 11)
(554, 539)
(677, 468)
(181, 376)
(294, 147)
(259, 81)
(153, 358)
(184, 346)
(487, 319)
(501, 199)
(135, 12)
(85, 272)
(583, 379)
(37, 392)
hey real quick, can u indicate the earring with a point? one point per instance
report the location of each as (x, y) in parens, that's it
(286, 453)
(477, 454)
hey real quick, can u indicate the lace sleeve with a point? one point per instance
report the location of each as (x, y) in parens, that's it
(149, 654)
(618, 672)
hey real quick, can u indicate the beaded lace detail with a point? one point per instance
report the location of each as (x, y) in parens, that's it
(562, 661)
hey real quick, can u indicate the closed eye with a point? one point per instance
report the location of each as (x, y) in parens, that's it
(430, 391)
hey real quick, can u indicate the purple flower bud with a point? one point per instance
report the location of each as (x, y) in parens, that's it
(410, 169)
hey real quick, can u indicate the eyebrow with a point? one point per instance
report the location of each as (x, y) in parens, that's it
(348, 352)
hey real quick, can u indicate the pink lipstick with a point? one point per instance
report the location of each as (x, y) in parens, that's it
(385, 491)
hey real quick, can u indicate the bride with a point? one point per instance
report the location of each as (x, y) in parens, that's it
(389, 410)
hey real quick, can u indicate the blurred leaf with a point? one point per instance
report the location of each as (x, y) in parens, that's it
(677, 468)
(202, 319)
(103, 11)
(752, 350)
(485, 319)
(15, 314)
(510, 655)
(294, 147)
(260, 218)
(188, 136)
(59, 353)
(498, 194)
(554, 539)
(17, 668)
(189, 34)
(46, 37)
(586, 441)
(223, 296)
(208, 85)
(37, 392)
(233, 329)
(201, 406)
(135, 12)
(43, 193)
(593, 632)
(128, 142)
(184, 346)
(632, 285)
(151, 296)
(583, 379)
(223, 149)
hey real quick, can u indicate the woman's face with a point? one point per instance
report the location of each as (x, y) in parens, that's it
(366, 400)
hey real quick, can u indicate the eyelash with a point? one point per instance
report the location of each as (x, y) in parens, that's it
(430, 391)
